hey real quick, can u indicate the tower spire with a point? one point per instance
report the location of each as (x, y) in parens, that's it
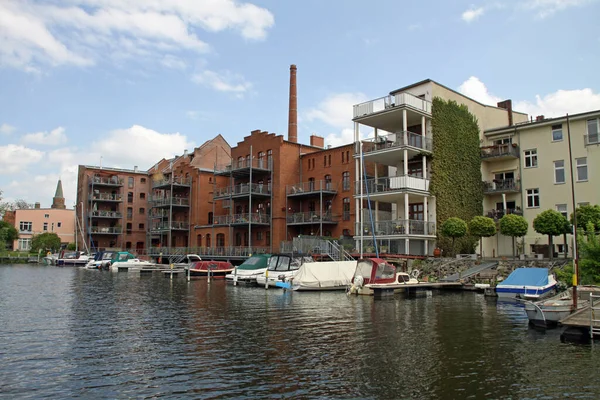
(59, 200)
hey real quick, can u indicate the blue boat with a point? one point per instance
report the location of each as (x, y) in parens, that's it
(527, 283)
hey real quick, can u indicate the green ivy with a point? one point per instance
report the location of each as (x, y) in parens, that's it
(455, 169)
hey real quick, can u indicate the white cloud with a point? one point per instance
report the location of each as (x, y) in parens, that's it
(472, 14)
(53, 138)
(7, 129)
(553, 104)
(84, 32)
(336, 110)
(170, 61)
(223, 81)
(13, 158)
(546, 8)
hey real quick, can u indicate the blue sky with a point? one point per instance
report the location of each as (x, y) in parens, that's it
(131, 82)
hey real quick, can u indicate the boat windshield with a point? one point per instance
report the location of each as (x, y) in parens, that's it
(286, 263)
(385, 271)
(364, 269)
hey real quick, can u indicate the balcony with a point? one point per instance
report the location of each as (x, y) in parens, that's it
(385, 148)
(242, 219)
(172, 226)
(497, 214)
(98, 230)
(105, 214)
(401, 227)
(170, 201)
(500, 152)
(499, 186)
(228, 251)
(243, 189)
(244, 167)
(591, 139)
(113, 181)
(106, 197)
(390, 102)
(311, 217)
(310, 188)
(168, 182)
(392, 187)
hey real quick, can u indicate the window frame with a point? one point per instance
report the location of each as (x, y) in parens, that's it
(577, 166)
(532, 156)
(557, 128)
(597, 134)
(557, 169)
(558, 208)
(535, 194)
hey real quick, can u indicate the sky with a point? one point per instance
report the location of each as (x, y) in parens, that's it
(127, 83)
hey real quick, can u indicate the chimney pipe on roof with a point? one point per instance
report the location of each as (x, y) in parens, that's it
(293, 117)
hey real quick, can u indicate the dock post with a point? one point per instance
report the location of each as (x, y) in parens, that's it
(235, 277)
(208, 272)
(188, 272)
(171, 271)
(267, 279)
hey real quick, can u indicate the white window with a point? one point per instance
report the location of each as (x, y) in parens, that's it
(562, 208)
(45, 226)
(583, 203)
(507, 140)
(533, 198)
(557, 133)
(559, 171)
(560, 248)
(531, 158)
(582, 172)
(24, 244)
(25, 226)
(593, 129)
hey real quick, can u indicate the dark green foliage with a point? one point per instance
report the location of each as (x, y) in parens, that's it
(71, 246)
(589, 256)
(480, 227)
(587, 214)
(456, 169)
(453, 228)
(46, 242)
(551, 223)
(513, 225)
(8, 234)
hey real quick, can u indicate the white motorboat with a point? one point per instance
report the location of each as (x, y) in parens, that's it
(549, 312)
(281, 268)
(527, 283)
(325, 275)
(249, 270)
(376, 273)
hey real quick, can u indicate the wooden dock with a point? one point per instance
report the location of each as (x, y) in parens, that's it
(380, 290)
(579, 319)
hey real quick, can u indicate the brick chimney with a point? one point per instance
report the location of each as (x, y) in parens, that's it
(317, 141)
(539, 118)
(507, 105)
(293, 118)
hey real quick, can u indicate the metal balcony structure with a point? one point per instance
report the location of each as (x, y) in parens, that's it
(384, 148)
(389, 188)
(105, 214)
(311, 217)
(170, 201)
(105, 230)
(242, 219)
(501, 186)
(497, 214)
(500, 152)
(173, 225)
(398, 228)
(113, 181)
(311, 188)
(243, 190)
(108, 197)
(245, 167)
(172, 182)
(386, 104)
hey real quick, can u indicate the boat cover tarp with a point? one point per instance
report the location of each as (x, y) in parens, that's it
(526, 277)
(255, 262)
(326, 274)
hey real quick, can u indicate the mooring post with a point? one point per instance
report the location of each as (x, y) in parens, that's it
(171, 270)
(235, 277)
(267, 279)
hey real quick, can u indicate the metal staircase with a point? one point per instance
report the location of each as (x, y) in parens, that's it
(470, 272)
(317, 245)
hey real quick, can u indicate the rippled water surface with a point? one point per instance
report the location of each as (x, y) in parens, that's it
(67, 332)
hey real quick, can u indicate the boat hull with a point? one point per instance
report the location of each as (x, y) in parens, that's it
(527, 292)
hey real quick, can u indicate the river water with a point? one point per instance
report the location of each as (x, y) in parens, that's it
(68, 332)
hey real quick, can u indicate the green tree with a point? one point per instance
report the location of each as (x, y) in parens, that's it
(481, 227)
(515, 226)
(71, 246)
(551, 223)
(587, 214)
(454, 228)
(8, 234)
(45, 241)
(589, 256)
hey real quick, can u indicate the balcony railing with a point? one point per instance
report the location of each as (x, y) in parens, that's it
(105, 230)
(392, 184)
(108, 181)
(106, 197)
(501, 186)
(391, 101)
(243, 189)
(500, 150)
(396, 140)
(310, 187)
(398, 227)
(240, 219)
(170, 201)
(174, 225)
(311, 217)
(178, 180)
(593, 138)
(497, 214)
(257, 163)
(219, 251)
(105, 214)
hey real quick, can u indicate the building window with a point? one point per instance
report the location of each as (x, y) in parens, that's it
(52, 227)
(346, 232)
(346, 181)
(46, 216)
(129, 212)
(240, 162)
(560, 248)
(129, 228)
(142, 196)
(210, 218)
(562, 208)
(143, 180)
(141, 227)
(268, 238)
(25, 226)
(533, 198)
(311, 184)
(531, 160)
(142, 211)
(346, 209)
(582, 172)
(593, 128)
(248, 163)
(557, 133)
(45, 226)
(261, 163)
(259, 235)
(324, 161)
(559, 171)
(348, 156)
(59, 224)
(328, 182)
(342, 157)
(220, 240)
(24, 244)
(499, 142)
(584, 203)
(128, 245)
(269, 158)
(329, 160)
(130, 197)
(130, 182)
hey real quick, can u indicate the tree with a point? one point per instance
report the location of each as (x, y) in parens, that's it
(551, 223)
(45, 241)
(587, 214)
(8, 234)
(515, 226)
(71, 246)
(454, 228)
(481, 227)
(589, 256)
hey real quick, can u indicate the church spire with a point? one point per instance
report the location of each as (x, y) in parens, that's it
(59, 201)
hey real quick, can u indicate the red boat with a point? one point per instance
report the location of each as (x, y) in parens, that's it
(217, 268)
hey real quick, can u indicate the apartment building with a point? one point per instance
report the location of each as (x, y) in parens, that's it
(527, 169)
(402, 216)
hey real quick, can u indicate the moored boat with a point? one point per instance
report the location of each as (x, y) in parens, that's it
(249, 270)
(527, 283)
(549, 312)
(376, 273)
(72, 258)
(216, 268)
(324, 275)
(281, 268)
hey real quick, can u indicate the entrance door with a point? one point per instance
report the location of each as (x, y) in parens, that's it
(416, 211)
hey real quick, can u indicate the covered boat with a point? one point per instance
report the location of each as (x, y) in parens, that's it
(281, 268)
(378, 273)
(326, 275)
(216, 268)
(249, 270)
(527, 283)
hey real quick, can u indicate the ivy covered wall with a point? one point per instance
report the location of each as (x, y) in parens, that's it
(455, 169)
